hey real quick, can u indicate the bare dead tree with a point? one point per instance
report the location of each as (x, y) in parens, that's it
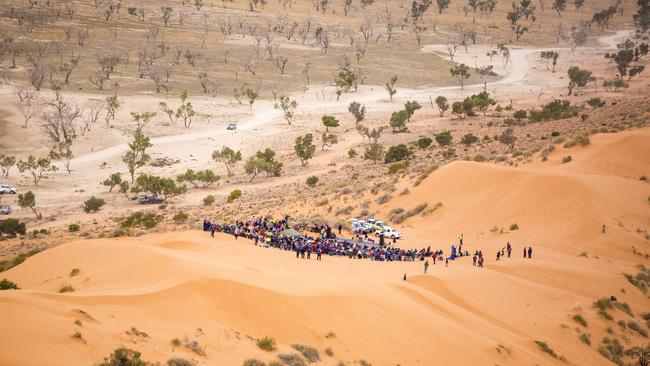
(98, 78)
(152, 33)
(108, 62)
(166, 14)
(68, 67)
(82, 36)
(250, 66)
(280, 62)
(91, 116)
(178, 53)
(192, 56)
(452, 46)
(67, 32)
(208, 84)
(30, 109)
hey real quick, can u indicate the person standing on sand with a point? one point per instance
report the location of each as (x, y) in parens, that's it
(524, 252)
(530, 252)
(426, 266)
(480, 262)
(404, 276)
(340, 228)
(460, 239)
(474, 260)
(603, 228)
(447, 262)
(498, 255)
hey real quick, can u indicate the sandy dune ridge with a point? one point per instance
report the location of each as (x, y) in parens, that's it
(225, 293)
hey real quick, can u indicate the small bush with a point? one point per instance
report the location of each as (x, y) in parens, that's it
(20, 258)
(5, 284)
(12, 227)
(566, 159)
(234, 195)
(310, 353)
(624, 307)
(73, 228)
(423, 142)
(74, 272)
(66, 288)
(180, 217)
(195, 347)
(611, 349)
(148, 220)
(176, 342)
(557, 109)
(585, 338)
(637, 328)
(469, 139)
(514, 227)
(292, 360)
(352, 153)
(329, 351)
(546, 348)
(643, 178)
(180, 362)
(580, 320)
(383, 199)
(253, 362)
(209, 200)
(312, 180)
(555, 133)
(124, 357)
(397, 167)
(93, 204)
(596, 102)
(266, 343)
(520, 114)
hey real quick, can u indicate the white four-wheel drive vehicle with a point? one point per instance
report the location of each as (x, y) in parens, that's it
(7, 189)
(389, 233)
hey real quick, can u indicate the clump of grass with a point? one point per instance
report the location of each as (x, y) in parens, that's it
(176, 342)
(135, 332)
(566, 159)
(292, 359)
(583, 254)
(74, 272)
(310, 353)
(514, 227)
(77, 323)
(504, 349)
(253, 362)
(78, 336)
(266, 343)
(124, 356)
(431, 209)
(195, 347)
(611, 349)
(18, 259)
(5, 284)
(364, 363)
(329, 351)
(585, 338)
(621, 323)
(624, 307)
(383, 199)
(398, 215)
(180, 362)
(642, 279)
(637, 328)
(603, 304)
(544, 347)
(66, 288)
(332, 335)
(580, 320)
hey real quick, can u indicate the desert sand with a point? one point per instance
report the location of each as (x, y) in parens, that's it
(225, 293)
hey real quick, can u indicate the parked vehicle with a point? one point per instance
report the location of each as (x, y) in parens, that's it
(389, 233)
(232, 126)
(148, 199)
(7, 189)
(5, 209)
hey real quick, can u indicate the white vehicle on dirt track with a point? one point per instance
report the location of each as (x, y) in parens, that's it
(7, 189)
(389, 233)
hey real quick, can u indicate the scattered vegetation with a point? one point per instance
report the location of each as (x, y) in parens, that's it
(93, 204)
(235, 194)
(73, 228)
(266, 343)
(124, 357)
(5, 284)
(75, 272)
(140, 219)
(580, 320)
(66, 288)
(180, 217)
(310, 353)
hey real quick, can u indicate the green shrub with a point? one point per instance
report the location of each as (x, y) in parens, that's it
(75, 272)
(580, 320)
(312, 180)
(643, 178)
(234, 195)
(66, 288)
(566, 159)
(124, 357)
(423, 142)
(448, 154)
(469, 139)
(397, 167)
(148, 220)
(555, 133)
(514, 227)
(208, 200)
(266, 343)
(5, 284)
(443, 138)
(12, 228)
(352, 153)
(73, 228)
(310, 353)
(93, 204)
(520, 114)
(582, 140)
(397, 153)
(585, 338)
(329, 351)
(180, 217)
(624, 307)
(557, 109)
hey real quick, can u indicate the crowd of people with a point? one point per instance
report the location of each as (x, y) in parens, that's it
(281, 235)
